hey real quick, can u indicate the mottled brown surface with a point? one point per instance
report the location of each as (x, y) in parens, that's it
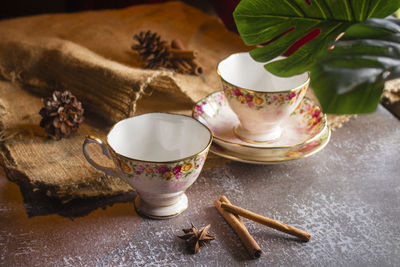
(346, 196)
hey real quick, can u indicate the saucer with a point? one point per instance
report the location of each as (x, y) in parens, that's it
(304, 133)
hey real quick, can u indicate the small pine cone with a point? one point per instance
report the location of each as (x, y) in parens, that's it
(153, 52)
(61, 115)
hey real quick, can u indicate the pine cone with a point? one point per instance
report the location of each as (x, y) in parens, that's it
(153, 52)
(62, 114)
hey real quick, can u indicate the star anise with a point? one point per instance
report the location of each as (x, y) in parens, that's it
(197, 238)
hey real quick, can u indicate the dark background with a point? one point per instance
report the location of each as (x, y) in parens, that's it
(18, 8)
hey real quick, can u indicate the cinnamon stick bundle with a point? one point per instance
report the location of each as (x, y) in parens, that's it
(196, 68)
(156, 53)
(237, 225)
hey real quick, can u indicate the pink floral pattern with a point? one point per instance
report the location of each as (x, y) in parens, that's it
(168, 171)
(312, 113)
(215, 99)
(306, 149)
(199, 108)
(259, 101)
(312, 125)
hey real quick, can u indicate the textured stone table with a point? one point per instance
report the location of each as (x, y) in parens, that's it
(347, 196)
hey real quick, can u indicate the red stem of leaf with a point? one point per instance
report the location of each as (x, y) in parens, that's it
(279, 36)
(305, 39)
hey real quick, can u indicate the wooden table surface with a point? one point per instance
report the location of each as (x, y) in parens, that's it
(347, 196)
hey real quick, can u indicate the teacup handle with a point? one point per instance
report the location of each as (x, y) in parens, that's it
(91, 139)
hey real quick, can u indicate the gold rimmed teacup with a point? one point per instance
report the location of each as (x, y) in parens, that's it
(261, 100)
(160, 155)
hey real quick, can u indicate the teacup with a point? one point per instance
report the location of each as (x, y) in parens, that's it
(160, 155)
(261, 100)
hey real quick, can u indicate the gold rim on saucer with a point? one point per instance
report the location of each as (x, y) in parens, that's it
(222, 152)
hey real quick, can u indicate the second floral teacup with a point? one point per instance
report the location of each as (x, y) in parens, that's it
(261, 100)
(158, 154)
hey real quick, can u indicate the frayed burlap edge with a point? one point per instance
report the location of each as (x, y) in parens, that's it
(392, 91)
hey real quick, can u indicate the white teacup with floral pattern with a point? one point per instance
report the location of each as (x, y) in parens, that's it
(160, 155)
(261, 100)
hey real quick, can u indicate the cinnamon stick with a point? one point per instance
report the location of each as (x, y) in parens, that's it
(226, 200)
(181, 66)
(179, 53)
(177, 44)
(186, 64)
(237, 225)
(195, 66)
(266, 221)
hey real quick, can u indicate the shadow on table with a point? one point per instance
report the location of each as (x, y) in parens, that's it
(37, 203)
(272, 236)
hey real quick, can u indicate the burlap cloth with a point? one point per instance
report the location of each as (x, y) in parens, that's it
(89, 53)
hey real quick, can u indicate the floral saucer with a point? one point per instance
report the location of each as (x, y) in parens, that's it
(304, 133)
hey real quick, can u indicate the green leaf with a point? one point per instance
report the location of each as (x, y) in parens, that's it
(364, 98)
(374, 28)
(282, 23)
(306, 56)
(350, 78)
(347, 79)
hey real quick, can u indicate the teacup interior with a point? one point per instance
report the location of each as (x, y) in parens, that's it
(159, 137)
(243, 71)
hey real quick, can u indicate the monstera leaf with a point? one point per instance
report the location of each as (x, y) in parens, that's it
(303, 30)
(350, 78)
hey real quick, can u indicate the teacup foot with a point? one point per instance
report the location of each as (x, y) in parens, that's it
(161, 213)
(249, 137)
